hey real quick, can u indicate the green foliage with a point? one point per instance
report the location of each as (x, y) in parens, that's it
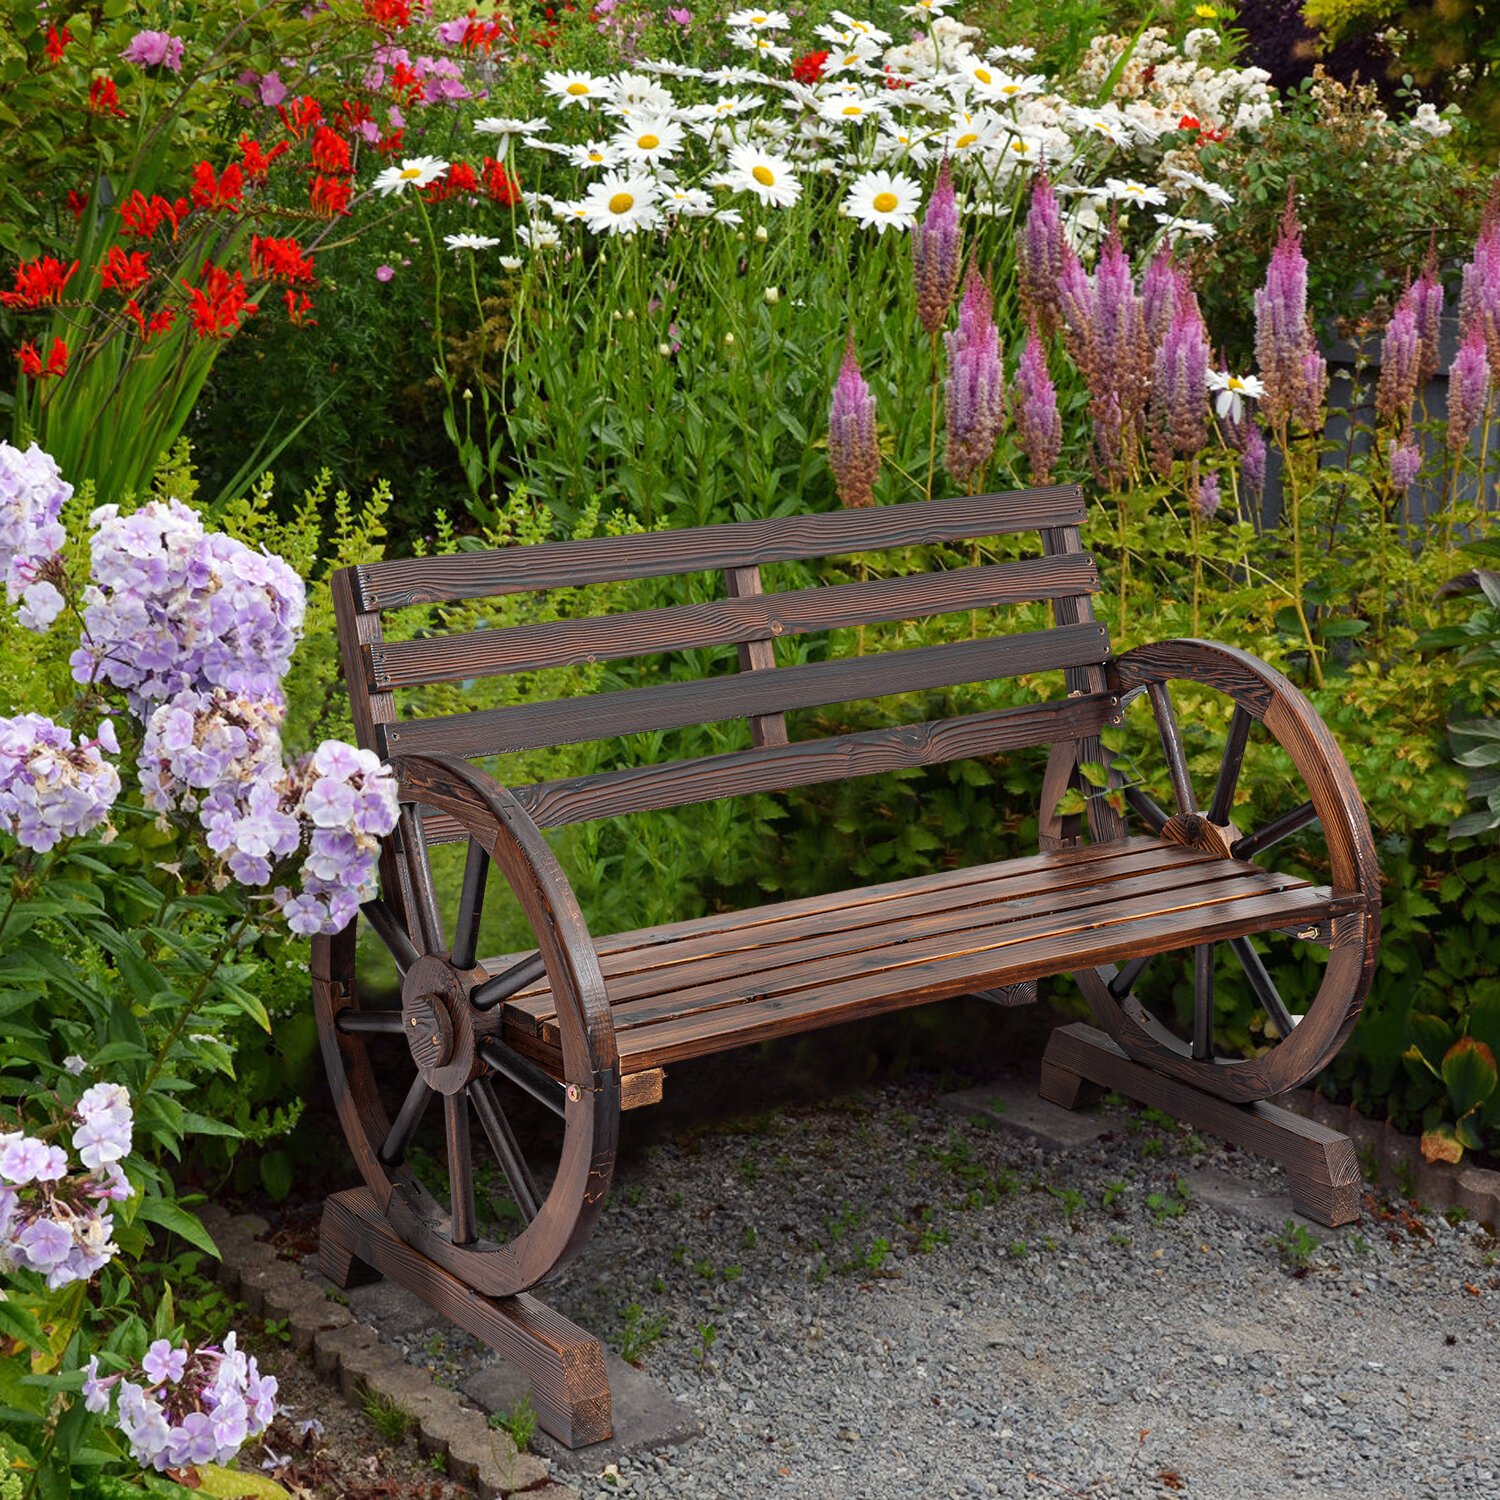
(1296, 1246)
(520, 1422)
(386, 1415)
(639, 1334)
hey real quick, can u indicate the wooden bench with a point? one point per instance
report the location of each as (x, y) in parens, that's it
(588, 1027)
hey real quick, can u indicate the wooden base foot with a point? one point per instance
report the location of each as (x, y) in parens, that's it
(569, 1388)
(341, 1265)
(1321, 1164)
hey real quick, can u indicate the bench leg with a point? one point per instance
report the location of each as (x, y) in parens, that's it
(569, 1388)
(1321, 1165)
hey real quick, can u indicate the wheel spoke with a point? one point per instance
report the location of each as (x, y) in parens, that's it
(1229, 771)
(1265, 990)
(525, 1075)
(1171, 744)
(470, 907)
(369, 1022)
(414, 842)
(1203, 1002)
(502, 986)
(383, 920)
(1145, 808)
(506, 1148)
(1274, 831)
(460, 1169)
(1123, 982)
(393, 1151)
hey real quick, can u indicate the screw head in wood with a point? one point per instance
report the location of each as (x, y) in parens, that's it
(574, 1095)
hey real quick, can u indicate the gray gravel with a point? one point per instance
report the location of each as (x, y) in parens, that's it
(904, 1301)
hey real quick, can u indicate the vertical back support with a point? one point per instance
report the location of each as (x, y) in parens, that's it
(756, 656)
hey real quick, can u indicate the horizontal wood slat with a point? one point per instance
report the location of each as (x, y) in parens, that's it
(672, 705)
(753, 617)
(550, 565)
(738, 773)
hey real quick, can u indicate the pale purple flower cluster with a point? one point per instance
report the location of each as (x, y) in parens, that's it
(1294, 372)
(937, 253)
(976, 384)
(173, 607)
(50, 1220)
(1479, 298)
(32, 495)
(51, 788)
(1405, 459)
(189, 1407)
(1041, 256)
(1179, 384)
(200, 746)
(853, 447)
(1033, 408)
(1425, 299)
(1468, 389)
(155, 49)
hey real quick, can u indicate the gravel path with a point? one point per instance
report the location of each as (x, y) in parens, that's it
(880, 1297)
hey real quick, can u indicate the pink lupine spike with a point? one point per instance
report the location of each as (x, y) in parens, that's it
(1469, 380)
(976, 384)
(937, 253)
(1400, 364)
(1041, 254)
(853, 445)
(1033, 404)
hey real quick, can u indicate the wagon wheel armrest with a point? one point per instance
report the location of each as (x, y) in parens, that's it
(488, 809)
(1266, 694)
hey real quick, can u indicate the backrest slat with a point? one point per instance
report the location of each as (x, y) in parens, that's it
(741, 544)
(756, 654)
(613, 794)
(750, 617)
(674, 705)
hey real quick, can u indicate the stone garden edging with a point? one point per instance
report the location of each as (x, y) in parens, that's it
(350, 1354)
(1392, 1159)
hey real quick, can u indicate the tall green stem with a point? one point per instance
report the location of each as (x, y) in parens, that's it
(932, 429)
(1294, 489)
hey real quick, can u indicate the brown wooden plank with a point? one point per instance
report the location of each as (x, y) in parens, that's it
(939, 978)
(740, 544)
(751, 616)
(756, 654)
(673, 705)
(654, 968)
(812, 962)
(639, 1089)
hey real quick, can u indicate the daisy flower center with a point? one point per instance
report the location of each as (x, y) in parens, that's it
(764, 176)
(1235, 383)
(983, 75)
(884, 203)
(622, 203)
(648, 142)
(967, 139)
(578, 89)
(409, 174)
(853, 109)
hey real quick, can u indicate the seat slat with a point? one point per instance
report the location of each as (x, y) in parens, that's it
(752, 617)
(549, 565)
(650, 966)
(737, 773)
(673, 705)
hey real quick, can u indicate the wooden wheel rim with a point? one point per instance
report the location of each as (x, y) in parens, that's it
(567, 1216)
(1265, 695)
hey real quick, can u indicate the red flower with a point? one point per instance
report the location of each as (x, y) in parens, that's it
(214, 193)
(160, 322)
(406, 84)
(40, 282)
(352, 114)
(459, 179)
(390, 145)
(77, 201)
(304, 114)
(500, 184)
(298, 307)
(144, 217)
(57, 43)
(124, 273)
(258, 162)
(330, 153)
(329, 196)
(218, 309)
(394, 14)
(31, 360)
(104, 97)
(273, 258)
(809, 67)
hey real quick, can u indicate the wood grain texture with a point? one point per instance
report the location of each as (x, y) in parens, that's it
(1321, 1163)
(673, 705)
(757, 653)
(737, 773)
(744, 617)
(740, 544)
(640, 1089)
(569, 1387)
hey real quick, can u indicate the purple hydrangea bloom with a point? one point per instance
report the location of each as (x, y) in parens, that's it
(155, 49)
(32, 495)
(45, 1243)
(51, 788)
(853, 448)
(975, 390)
(213, 743)
(1033, 406)
(25, 1159)
(937, 253)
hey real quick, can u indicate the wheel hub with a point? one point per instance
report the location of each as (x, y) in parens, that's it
(437, 1024)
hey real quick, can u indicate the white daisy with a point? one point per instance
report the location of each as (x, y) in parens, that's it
(969, 134)
(511, 262)
(1024, 148)
(593, 154)
(881, 200)
(575, 87)
(1128, 190)
(649, 141)
(758, 20)
(761, 44)
(1107, 122)
(1233, 389)
(769, 177)
(850, 109)
(538, 236)
(691, 203)
(635, 92)
(536, 143)
(900, 140)
(618, 203)
(1011, 54)
(564, 209)
(728, 78)
(470, 241)
(1194, 183)
(851, 60)
(863, 28)
(418, 172)
(920, 10)
(503, 126)
(991, 84)
(1194, 229)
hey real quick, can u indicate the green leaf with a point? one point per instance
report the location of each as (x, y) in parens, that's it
(1430, 1037)
(18, 1323)
(167, 1214)
(1341, 629)
(276, 1174)
(1071, 803)
(196, 1124)
(1093, 773)
(1471, 1075)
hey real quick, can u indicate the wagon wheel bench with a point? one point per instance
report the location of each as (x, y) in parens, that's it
(587, 1026)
